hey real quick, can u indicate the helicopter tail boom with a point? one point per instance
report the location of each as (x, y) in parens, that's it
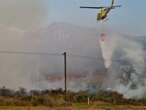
(113, 1)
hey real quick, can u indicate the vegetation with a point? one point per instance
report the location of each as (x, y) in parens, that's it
(54, 98)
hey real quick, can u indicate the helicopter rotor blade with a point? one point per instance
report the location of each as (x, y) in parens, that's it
(116, 6)
(91, 7)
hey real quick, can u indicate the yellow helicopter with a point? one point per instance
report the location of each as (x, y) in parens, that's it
(104, 10)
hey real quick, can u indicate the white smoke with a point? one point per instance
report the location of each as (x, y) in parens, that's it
(127, 66)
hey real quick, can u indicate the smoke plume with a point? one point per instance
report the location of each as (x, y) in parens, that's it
(126, 65)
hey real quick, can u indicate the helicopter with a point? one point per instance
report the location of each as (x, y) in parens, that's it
(104, 10)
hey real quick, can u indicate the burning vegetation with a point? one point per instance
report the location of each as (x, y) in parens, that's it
(53, 98)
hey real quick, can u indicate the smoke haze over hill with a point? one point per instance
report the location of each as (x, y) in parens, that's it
(85, 62)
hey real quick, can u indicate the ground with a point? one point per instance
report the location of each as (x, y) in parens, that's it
(96, 106)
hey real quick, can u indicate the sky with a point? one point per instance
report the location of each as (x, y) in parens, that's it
(34, 14)
(129, 19)
(23, 14)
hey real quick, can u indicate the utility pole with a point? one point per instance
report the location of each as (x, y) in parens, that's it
(65, 76)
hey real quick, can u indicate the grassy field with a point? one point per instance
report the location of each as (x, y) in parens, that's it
(107, 106)
(79, 106)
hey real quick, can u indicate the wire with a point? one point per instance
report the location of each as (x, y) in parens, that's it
(30, 53)
(44, 53)
(82, 56)
(53, 54)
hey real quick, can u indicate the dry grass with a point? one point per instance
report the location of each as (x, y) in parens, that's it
(83, 106)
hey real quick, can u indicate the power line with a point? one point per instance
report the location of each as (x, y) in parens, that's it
(93, 58)
(30, 53)
(53, 54)
(81, 56)
(44, 53)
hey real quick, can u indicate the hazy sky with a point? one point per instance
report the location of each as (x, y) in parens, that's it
(23, 14)
(130, 18)
(33, 14)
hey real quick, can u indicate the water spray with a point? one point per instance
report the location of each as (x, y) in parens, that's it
(105, 49)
